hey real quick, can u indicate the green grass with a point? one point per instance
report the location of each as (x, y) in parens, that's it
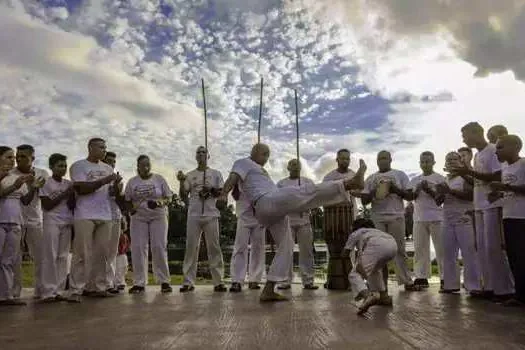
(27, 274)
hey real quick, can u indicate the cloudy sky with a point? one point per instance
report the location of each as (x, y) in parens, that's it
(401, 75)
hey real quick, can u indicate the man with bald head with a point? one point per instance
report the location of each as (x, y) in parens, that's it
(386, 190)
(301, 230)
(272, 205)
(203, 187)
(497, 278)
(512, 189)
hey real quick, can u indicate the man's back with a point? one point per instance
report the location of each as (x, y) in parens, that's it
(256, 182)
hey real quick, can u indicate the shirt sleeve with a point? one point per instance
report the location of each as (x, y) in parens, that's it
(77, 173)
(351, 243)
(240, 168)
(187, 183)
(404, 180)
(166, 190)
(45, 191)
(220, 180)
(412, 184)
(128, 191)
(494, 164)
(368, 184)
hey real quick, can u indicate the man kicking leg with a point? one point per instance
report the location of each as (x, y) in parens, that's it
(273, 204)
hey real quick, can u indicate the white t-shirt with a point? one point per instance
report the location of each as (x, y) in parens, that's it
(96, 205)
(514, 203)
(335, 175)
(486, 162)
(425, 207)
(32, 213)
(255, 180)
(11, 206)
(193, 185)
(61, 214)
(139, 191)
(244, 211)
(392, 205)
(359, 237)
(454, 208)
(297, 219)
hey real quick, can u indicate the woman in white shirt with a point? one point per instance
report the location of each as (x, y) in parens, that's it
(148, 195)
(12, 191)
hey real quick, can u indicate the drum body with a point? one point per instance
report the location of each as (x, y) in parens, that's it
(338, 222)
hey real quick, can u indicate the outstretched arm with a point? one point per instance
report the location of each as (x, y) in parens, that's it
(358, 181)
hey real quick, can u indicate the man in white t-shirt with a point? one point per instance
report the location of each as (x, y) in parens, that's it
(386, 190)
(428, 219)
(512, 187)
(301, 230)
(337, 223)
(92, 222)
(116, 197)
(248, 230)
(31, 218)
(497, 278)
(203, 187)
(273, 204)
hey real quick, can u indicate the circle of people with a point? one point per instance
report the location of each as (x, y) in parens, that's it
(478, 210)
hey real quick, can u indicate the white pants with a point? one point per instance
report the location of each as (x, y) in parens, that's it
(423, 231)
(10, 237)
(495, 269)
(56, 244)
(396, 227)
(304, 236)
(32, 235)
(459, 234)
(143, 234)
(90, 253)
(121, 270)
(196, 225)
(255, 235)
(376, 255)
(112, 253)
(271, 211)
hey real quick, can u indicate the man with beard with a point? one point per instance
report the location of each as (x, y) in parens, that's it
(203, 187)
(386, 190)
(338, 220)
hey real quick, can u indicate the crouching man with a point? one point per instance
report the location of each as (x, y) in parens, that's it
(375, 249)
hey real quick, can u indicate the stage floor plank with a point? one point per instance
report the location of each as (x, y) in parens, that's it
(312, 320)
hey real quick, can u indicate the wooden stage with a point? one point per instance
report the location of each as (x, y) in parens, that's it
(312, 320)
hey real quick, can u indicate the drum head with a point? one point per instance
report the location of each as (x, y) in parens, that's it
(383, 190)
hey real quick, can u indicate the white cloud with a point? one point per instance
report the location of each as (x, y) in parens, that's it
(109, 69)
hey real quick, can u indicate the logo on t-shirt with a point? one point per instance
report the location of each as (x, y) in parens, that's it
(145, 190)
(384, 179)
(94, 175)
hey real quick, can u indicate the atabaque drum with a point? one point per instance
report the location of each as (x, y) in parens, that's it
(338, 222)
